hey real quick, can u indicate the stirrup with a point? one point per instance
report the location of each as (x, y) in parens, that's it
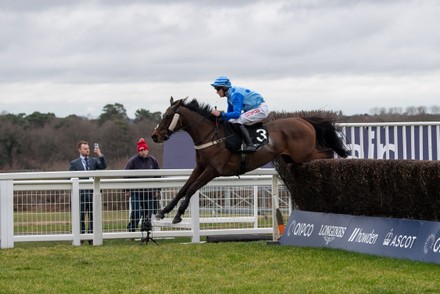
(249, 149)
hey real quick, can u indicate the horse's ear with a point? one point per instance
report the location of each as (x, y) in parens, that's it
(171, 100)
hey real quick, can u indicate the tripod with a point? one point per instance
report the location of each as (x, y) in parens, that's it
(147, 227)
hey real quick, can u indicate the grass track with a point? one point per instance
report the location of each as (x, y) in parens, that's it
(122, 266)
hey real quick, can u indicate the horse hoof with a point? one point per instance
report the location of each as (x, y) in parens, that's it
(177, 219)
(160, 215)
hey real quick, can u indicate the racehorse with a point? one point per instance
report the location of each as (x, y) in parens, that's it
(295, 139)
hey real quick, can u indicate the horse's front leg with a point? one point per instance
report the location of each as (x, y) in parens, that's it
(205, 177)
(182, 192)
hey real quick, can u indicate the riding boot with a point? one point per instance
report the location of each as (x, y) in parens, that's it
(249, 146)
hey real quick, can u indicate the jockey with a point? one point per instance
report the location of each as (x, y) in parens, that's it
(245, 107)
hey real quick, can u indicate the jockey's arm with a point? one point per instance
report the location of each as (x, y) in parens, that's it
(235, 107)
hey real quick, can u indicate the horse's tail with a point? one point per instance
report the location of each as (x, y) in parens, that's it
(326, 135)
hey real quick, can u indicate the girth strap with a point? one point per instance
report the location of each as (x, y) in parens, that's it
(209, 144)
(242, 164)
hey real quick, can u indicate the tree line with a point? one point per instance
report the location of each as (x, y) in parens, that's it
(44, 142)
(394, 114)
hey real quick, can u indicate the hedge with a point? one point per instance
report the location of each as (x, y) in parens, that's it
(386, 188)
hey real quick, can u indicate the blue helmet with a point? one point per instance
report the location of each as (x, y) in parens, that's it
(221, 82)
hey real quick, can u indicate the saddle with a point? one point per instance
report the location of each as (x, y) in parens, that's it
(258, 133)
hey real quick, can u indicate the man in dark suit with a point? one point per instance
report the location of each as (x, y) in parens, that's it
(86, 162)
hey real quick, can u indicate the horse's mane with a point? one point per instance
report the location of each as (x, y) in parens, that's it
(199, 107)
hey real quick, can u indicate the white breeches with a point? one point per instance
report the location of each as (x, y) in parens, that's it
(252, 116)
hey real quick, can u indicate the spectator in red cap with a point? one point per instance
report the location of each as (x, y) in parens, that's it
(142, 200)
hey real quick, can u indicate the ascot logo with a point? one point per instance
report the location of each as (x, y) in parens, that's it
(402, 241)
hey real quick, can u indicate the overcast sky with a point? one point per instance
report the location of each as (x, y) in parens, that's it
(74, 57)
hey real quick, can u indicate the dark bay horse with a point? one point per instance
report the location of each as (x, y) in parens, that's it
(294, 139)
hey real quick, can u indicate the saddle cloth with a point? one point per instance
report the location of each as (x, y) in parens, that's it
(258, 133)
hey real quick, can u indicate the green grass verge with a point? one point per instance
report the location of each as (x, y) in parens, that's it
(122, 266)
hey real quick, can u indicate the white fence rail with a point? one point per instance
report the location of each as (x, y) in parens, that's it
(46, 206)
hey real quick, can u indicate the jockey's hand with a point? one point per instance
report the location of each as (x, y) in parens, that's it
(215, 112)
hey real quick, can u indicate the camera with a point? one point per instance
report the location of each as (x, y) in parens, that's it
(146, 225)
(96, 146)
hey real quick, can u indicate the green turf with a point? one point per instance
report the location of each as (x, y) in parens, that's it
(123, 266)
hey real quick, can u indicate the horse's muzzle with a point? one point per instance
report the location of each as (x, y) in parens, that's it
(158, 138)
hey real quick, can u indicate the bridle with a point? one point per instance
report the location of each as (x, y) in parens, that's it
(172, 126)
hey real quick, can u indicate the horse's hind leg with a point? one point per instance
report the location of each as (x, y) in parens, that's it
(182, 192)
(289, 161)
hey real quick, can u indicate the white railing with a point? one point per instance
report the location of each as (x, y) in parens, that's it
(46, 206)
(398, 140)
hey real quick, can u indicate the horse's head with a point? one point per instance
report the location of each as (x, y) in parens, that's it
(169, 123)
(191, 116)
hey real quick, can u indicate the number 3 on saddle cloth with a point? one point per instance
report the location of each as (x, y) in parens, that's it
(257, 132)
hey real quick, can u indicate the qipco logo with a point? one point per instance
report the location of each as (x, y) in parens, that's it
(301, 229)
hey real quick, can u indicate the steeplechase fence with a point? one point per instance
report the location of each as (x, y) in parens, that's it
(46, 206)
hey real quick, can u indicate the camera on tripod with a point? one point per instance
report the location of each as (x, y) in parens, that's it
(146, 225)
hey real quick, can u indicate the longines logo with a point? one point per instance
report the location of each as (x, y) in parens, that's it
(330, 233)
(300, 229)
(402, 241)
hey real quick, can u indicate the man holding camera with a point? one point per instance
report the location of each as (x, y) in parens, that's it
(87, 162)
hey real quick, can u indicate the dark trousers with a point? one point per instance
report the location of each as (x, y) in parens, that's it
(142, 205)
(86, 208)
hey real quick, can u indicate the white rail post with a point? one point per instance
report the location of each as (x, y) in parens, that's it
(275, 205)
(420, 142)
(6, 214)
(429, 143)
(195, 217)
(97, 212)
(75, 211)
(361, 142)
(255, 207)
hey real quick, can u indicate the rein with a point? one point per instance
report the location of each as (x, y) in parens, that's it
(215, 142)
